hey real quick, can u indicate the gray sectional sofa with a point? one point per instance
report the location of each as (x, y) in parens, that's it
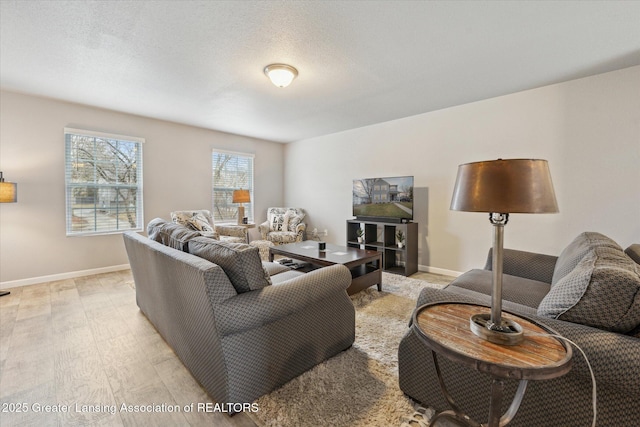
(589, 294)
(243, 327)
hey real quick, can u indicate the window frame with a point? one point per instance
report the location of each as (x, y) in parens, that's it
(249, 207)
(98, 186)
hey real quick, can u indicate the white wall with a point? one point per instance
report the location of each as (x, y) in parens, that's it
(588, 130)
(177, 175)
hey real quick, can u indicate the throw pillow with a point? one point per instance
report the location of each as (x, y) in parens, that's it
(576, 250)
(285, 220)
(181, 217)
(170, 234)
(275, 222)
(602, 291)
(200, 223)
(240, 262)
(294, 222)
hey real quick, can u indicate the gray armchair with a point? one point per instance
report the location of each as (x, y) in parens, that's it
(202, 221)
(283, 225)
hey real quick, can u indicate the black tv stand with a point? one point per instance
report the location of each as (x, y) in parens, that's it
(381, 236)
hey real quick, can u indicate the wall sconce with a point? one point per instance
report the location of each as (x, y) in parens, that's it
(8, 191)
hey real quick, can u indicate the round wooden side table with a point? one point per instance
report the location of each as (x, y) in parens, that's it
(444, 328)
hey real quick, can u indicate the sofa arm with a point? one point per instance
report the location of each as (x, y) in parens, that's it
(613, 357)
(528, 265)
(250, 310)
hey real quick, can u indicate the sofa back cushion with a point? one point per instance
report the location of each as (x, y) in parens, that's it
(170, 234)
(241, 262)
(602, 290)
(633, 252)
(571, 256)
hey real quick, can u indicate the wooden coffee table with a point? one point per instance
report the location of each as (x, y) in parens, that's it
(365, 265)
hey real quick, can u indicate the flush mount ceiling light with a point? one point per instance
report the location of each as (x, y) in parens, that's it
(281, 75)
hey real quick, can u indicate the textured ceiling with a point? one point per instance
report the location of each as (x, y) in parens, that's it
(201, 62)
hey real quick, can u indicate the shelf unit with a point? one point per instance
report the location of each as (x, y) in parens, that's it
(381, 237)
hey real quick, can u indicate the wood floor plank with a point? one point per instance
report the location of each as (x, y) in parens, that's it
(84, 341)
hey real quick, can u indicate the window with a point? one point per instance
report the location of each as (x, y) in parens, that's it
(103, 181)
(231, 171)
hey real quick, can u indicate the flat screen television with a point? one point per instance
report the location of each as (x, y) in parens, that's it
(383, 199)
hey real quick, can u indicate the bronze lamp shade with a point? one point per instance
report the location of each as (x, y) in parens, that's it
(501, 187)
(504, 186)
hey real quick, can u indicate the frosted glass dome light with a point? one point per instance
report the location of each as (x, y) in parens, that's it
(281, 75)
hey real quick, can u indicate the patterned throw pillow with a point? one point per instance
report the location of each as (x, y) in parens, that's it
(286, 219)
(276, 222)
(200, 223)
(240, 262)
(294, 222)
(181, 218)
(602, 291)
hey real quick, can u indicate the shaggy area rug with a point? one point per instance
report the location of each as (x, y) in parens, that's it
(358, 387)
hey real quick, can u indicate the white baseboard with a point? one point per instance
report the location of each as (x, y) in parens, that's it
(61, 276)
(436, 270)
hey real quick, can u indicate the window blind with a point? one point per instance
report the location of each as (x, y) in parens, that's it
(103, 179)
(231, 171)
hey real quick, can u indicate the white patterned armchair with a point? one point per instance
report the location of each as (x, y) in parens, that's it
(283, 225)
(202, 221)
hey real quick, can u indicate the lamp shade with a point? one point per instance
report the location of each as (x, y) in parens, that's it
(504, 186)
(241, 196)
(8, 191)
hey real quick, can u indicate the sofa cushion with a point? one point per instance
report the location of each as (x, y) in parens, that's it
(633, 252)
(285, 276)
(239, 261)
(170, 234)
(283, 237)
(274, 268)
(602, 291)
(571, 255)
(516, 289)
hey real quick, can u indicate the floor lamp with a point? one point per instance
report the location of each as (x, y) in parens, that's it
(501, 187)
(8, 194)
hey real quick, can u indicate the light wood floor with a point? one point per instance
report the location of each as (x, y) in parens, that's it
(84, 341)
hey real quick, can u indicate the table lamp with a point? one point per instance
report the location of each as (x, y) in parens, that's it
(501, 187)
(8, 194)
(241, 196)
(8, 191)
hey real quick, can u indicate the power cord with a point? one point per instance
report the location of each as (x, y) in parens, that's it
(593, 377)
